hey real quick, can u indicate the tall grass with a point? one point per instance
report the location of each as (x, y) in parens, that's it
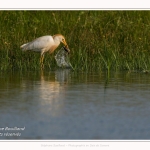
(98, 40)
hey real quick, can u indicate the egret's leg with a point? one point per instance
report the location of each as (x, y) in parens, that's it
(41, 60)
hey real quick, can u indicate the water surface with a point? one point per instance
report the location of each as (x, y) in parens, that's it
(63, 104)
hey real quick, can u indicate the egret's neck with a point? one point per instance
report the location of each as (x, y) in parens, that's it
(56, 40)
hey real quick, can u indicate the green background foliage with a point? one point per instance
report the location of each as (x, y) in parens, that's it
(98, 40)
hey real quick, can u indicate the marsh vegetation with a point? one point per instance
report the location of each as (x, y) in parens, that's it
(98, 40)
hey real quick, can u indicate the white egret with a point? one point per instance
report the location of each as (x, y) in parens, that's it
(44, 44)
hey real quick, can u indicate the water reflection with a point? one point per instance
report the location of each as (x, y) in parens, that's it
(63, 104)
(49, 90)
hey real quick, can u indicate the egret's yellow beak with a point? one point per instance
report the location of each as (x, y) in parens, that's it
(66, 46)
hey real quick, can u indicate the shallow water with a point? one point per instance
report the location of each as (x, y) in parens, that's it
(63, 104)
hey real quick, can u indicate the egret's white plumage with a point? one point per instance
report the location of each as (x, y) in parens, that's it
(44, 44)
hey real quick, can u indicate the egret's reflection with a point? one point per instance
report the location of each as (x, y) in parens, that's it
(52, 90)
(52, 84)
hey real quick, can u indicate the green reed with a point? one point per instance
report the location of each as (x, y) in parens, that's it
(98, 40)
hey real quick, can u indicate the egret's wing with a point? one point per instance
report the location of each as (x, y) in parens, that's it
(39, 43)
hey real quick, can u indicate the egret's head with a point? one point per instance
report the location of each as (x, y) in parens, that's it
(62, 40)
